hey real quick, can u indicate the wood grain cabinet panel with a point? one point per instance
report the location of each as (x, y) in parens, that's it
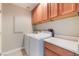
(53, 10)
(39, 13)
(66, 8)
(58, 50)
(49, 53)
(0, 6)
(44, 12)
(77, 7)
(34, 16)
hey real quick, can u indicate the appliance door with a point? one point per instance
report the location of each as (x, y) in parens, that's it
(36, 47)
(27, 44)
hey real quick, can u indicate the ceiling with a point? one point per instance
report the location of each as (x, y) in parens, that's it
(27, 6)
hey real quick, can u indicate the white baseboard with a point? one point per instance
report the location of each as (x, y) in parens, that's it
(11, 51)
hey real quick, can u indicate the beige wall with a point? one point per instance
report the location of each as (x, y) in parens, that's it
(0, 42)
(10, 39)
(0, 28)
(67, 26)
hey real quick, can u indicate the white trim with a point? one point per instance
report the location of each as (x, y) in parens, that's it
(11, 51)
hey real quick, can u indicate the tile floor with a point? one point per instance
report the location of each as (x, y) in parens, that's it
(18, 53)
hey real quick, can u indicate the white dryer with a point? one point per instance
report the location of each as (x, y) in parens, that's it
(33, 43)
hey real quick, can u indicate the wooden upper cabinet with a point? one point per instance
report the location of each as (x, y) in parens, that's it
(0, 6)
(39, 13)
(77, 7)
(44, 12)
(34, 16)
(66, 8)
(53, 10)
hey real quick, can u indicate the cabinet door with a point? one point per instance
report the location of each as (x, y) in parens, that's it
(33, 20)
(39, 13)
(53, 11)
(48, 52)
(77, 8)
(66, 8)
(34, 16)
(44, 12)
(0, 6)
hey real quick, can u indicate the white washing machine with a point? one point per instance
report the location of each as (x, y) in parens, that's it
(33, 43)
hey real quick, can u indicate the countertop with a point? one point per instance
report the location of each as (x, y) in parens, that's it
(63, 43)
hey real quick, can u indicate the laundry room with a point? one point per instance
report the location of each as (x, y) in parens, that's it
(39, 29)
